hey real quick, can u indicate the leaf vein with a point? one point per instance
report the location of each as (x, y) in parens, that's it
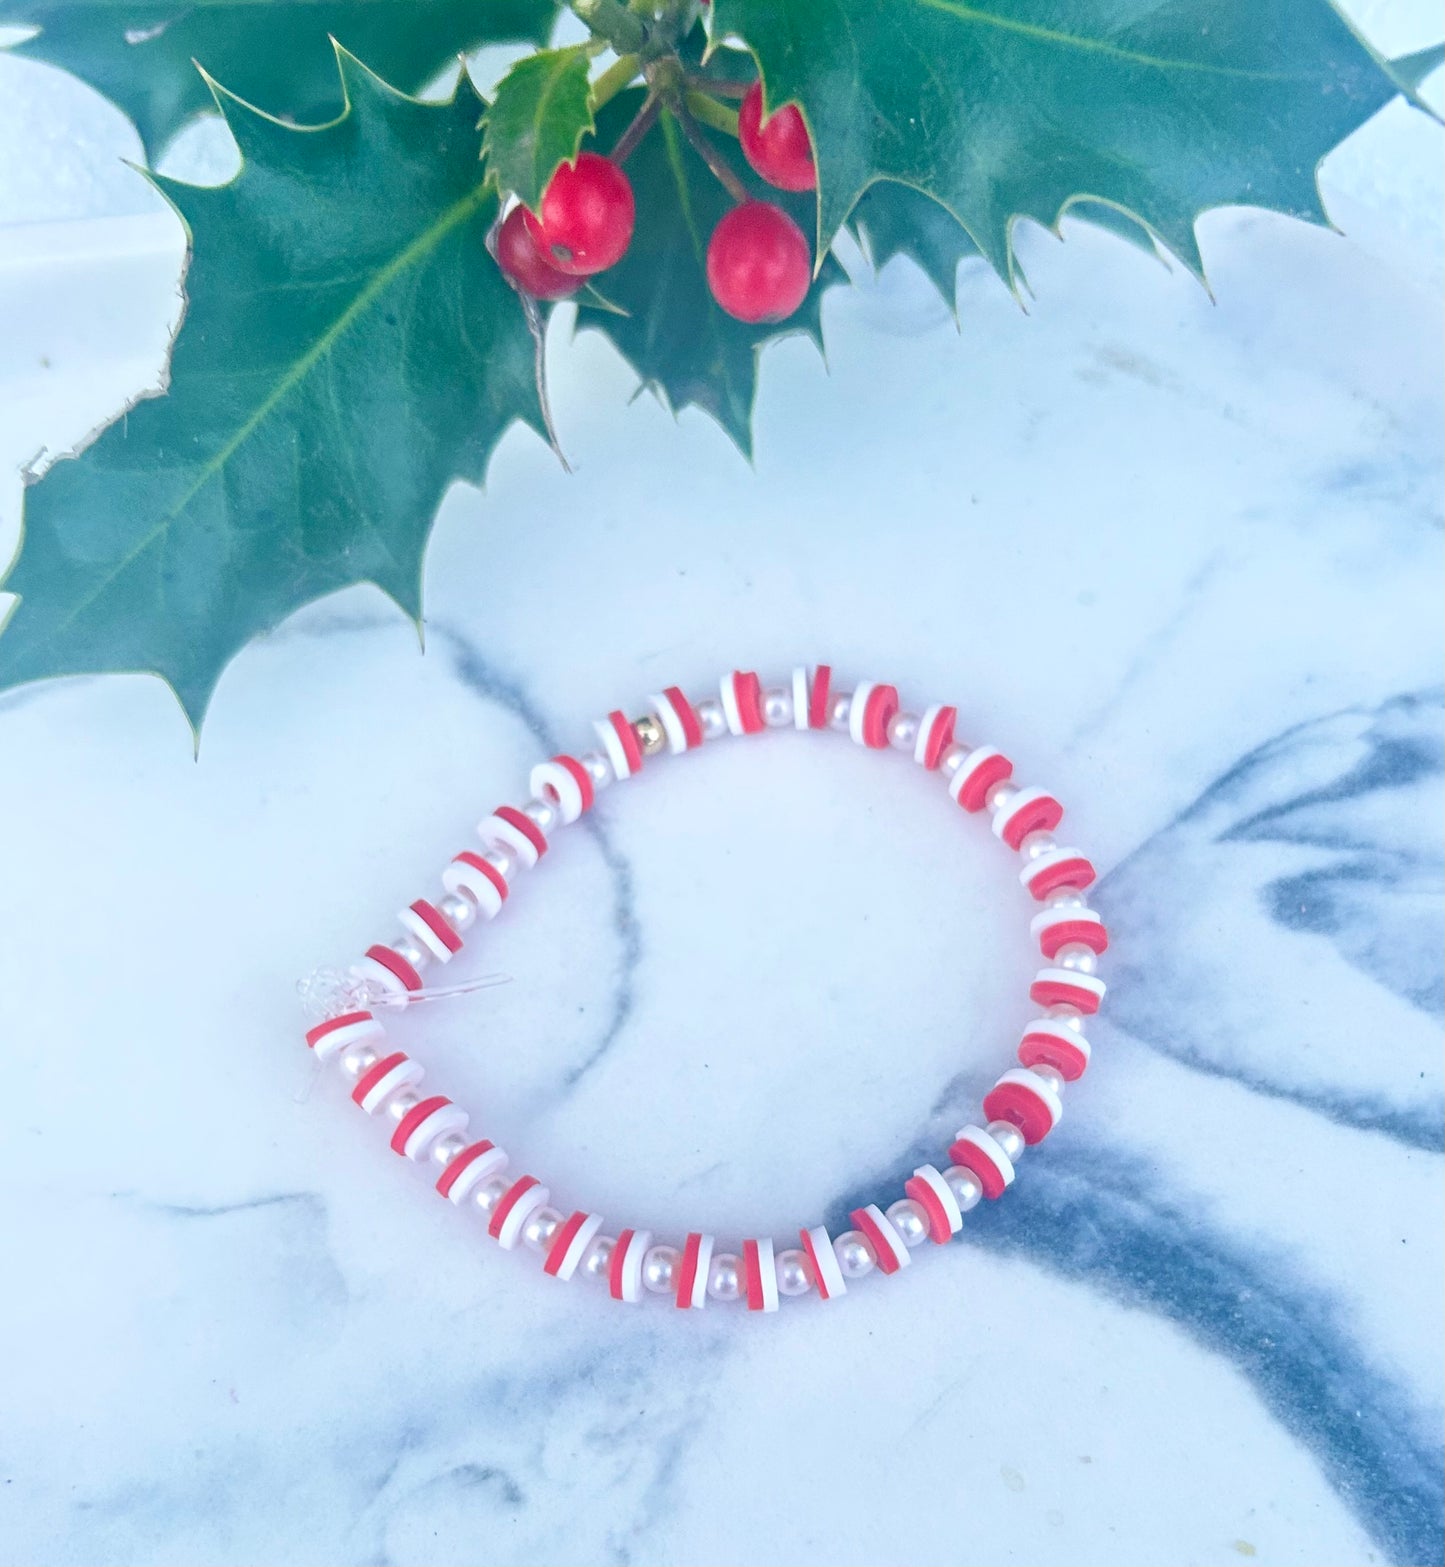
(425, 242)
(1053, 37)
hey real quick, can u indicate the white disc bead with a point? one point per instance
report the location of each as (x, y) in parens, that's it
(405, 1075)
(480, 1171)
(823, 1259)
(334, 1038)
(627, 1265)
(446, 1121)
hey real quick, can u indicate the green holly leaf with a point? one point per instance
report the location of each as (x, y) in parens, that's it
(682, 345)
(1411, 70)
(541, 112)
(896, 220)
(1115, 222)
(1002, 109)
(273, 53)
(349, 348)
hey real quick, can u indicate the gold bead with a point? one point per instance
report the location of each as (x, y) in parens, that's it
(650, 735)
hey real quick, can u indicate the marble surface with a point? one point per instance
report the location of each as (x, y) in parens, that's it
(1181, 558)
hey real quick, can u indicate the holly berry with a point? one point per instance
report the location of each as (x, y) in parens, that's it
(781, 150)
(584, 223)
(524, 265)
(758, 263)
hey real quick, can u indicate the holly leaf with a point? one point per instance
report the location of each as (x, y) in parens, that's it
(275, 53)
(348, 349)
(541, 112)
(683, 346)
(1412, 70)
(1115, 222)
(1001, 109)
(896, 220)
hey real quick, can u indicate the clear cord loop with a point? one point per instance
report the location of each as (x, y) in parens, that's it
(330, 992)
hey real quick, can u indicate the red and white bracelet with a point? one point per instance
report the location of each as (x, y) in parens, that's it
(472, 1172)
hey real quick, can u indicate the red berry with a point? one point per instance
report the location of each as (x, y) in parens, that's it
(524, 265)
(780, 150)
(584, 224)
(758, 263)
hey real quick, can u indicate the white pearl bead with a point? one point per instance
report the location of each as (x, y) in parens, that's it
(458, 910)
(360, 1060)
(725, 1277)
(445, 1149)
(777, 709)
(490, 1193)
(1037, 844)
(1068, 1015)
(795, 1277)
(658, 1269)
(903, 731)
(400, 1104)
(500, 858)
(1000, 795)
(599, 769)
(411, 951)
(1077, 958)
(1065, 898)
(538, 1232)
(854, 1254)
(966, 1187)
(597, 1259)
(1009, 1138)
(840, 710)
(1048, 1077)
(712, 718)
(541, 813)
(952, 759)
(909, 1220)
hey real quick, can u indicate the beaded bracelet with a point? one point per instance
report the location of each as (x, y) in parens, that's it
(1021, 1109)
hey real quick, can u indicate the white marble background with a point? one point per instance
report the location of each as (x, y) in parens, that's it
(1182, 558)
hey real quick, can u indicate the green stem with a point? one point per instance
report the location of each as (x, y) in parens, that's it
(614, 79)
(708, 111)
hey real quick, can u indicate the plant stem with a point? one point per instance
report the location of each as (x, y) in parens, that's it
(612, 21)
(707, 152)
(642, 123)
(708, 111)
(614, 79)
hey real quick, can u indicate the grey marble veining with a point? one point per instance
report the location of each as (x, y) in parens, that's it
(1328, 831)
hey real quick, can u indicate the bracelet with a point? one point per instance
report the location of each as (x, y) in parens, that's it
(1021, 1109)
